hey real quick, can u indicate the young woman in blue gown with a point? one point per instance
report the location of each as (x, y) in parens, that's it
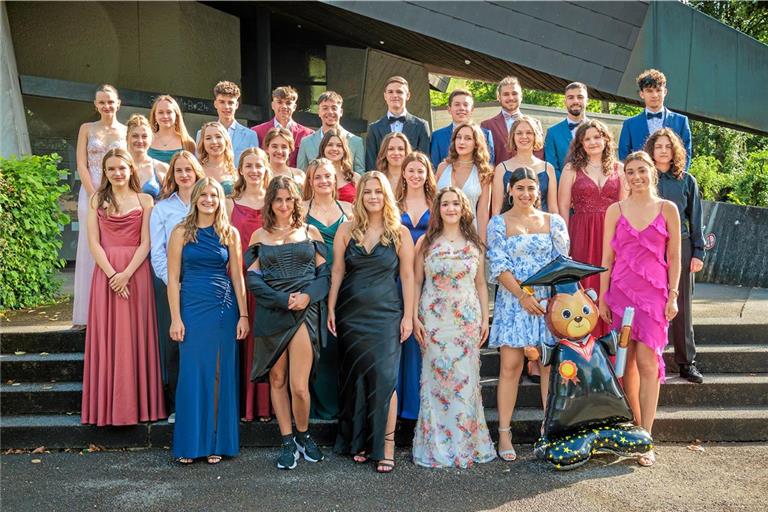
(208, 314)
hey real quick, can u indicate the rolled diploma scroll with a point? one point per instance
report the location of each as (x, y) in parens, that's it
(621, 351)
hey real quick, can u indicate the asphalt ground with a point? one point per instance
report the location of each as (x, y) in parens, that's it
(721, 477)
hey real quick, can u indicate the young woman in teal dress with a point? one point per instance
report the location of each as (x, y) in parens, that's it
(151, 172)
(288, 276)
(215, 153)
(170, 132)
(415, 193)
(451, 323)
(206, 294)
(371, 317)
(326, 213)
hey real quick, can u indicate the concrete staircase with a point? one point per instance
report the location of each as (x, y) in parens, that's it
(42, 384)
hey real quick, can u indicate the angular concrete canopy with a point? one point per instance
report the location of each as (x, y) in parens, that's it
(714, 72)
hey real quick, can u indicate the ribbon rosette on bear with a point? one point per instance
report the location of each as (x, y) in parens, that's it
(587, 411)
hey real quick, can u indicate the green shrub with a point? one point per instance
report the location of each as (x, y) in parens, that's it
(30, 238)
(714, 185)
(750, 186)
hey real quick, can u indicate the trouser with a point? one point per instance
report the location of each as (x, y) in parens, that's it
(169, 349)
(681, 327)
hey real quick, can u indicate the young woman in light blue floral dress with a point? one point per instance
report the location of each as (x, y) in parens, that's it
(520, 241)
(450, 324)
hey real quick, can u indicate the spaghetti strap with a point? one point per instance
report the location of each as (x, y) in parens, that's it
(620, 210)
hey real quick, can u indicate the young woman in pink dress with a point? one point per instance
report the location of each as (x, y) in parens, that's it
(244, 210)
(122, 384)
(641, 250)
(334, 147)
(93, 141)
(592, 180)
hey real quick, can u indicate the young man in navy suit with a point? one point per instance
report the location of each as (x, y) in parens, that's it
(559, 136)
(461, 104)
(226, 100)
(652, 85)
(396, 95)
(509, 94)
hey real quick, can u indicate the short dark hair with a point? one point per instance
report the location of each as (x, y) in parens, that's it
(650, 79)
(459, 92)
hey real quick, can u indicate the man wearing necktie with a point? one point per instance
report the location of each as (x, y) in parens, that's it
(559, 136)
(396, 96)
(509, 94)
(652, 85)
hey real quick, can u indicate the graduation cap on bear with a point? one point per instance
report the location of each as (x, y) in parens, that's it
(562, 274)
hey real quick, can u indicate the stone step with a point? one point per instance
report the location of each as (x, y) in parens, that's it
(720, 389)
(709, 359)
(42, 367)
(672, 425)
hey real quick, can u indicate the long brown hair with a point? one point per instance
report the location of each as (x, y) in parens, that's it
(179, 127)
(169, 184)
(267, 213)
(346, 159)
(480, 155)
(221, 224)
(679, 155)
(239, 188)
(577, 155)
(105, 194)
(390, 213)
(430, 186)
(312, 167)
(644, 157)
(381, 159)
(466, 224)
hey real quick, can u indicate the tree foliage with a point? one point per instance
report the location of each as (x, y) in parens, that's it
(749, 17)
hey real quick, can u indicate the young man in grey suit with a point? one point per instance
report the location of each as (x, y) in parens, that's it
(397, 119)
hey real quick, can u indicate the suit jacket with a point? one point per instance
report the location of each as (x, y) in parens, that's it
(556, 145)
(498, 128)
(414, 128)
(242, 139)
(310, 147)
(441, 141)
(634, 132)
(298, 131)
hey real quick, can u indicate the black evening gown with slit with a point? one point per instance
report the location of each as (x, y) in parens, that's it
(368, 314)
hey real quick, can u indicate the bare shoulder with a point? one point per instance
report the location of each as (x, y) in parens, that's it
(257, 236)
(314, 233)
(669, 208)
(146, 200)
(346, 208)
(613, 210)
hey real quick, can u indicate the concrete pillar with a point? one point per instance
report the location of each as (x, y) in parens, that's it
(14, 136)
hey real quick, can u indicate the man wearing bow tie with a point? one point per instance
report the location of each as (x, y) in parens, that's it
(559, 136)
(652, 85)
(509, 94)
(396, 95)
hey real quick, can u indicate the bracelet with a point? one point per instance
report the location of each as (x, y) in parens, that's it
(113, 275)
(677, 293)
(243, 316)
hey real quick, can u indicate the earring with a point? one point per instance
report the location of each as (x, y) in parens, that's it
(510, 200)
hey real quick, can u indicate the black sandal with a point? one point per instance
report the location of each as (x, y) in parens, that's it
(360, 457)
(387, 465)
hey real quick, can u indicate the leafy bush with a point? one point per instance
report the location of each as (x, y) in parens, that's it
(30, 238)
(713, 183)
(750, 186)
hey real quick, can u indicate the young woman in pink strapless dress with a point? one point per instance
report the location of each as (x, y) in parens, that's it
(334, 147)
(641, 249)
(244, 209)
(122, 384)
(591, 181)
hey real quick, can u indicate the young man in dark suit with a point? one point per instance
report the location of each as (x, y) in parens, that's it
(559, 136)
(461, 104)
(652, 85)
(396, 95)
(509, 94)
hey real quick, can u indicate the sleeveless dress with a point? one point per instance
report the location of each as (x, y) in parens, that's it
(451, 431)
(347, 193)
(472, 187)
(153, 186)
(207, 420)
(368, 316)
(164, 155)
(84, 263)
(410, 360)
(523, 255)
(256, 401)
(543, 188)
(639, 280)
(325, 387)
(122, 384)
(590, 203)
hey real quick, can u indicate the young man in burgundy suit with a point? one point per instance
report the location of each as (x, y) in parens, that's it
(509, 94)
(284, 105)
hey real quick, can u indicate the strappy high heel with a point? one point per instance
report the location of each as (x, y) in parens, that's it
(507, 455)
(387, 465)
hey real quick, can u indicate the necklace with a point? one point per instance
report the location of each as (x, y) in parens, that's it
(282, 229)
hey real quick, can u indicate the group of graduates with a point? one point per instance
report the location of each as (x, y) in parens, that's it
(257, 273)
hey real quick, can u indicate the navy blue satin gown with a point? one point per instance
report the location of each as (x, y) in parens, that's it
(543, 187)
(207, 394)
(408, 381)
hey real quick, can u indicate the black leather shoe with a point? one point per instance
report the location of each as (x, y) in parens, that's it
(691, 374)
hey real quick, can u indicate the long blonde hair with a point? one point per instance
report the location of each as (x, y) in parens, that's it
(346, 159)
(309, 190)
(480, 155)
(390, 212)
(229, 154)
(221, 224)
(179, 127)
(240, 185)
(169, 184)
(105, 194)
